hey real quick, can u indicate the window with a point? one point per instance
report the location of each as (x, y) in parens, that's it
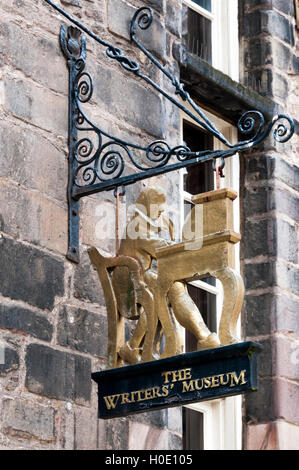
(210, 30)
(214, 425)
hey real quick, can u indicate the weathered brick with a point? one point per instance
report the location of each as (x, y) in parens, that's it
(22, 320)
(29, 274)
(57, 374)
(82, 331)
(10, 359)
(27, 420)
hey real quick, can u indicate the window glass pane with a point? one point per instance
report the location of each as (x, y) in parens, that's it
(193, 423)
(197, 34)
(206, 4)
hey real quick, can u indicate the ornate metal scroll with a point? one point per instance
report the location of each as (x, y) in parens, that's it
(99, 161)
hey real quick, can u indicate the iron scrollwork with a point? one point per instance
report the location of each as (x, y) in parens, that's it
(100, 161)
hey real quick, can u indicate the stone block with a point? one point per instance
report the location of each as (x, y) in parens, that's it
(259, 238)
(36, 105)
(38, 57)
(259, 275)
(268, 166)
(87, 285)
(270, 237)
(85, 430)
(22, 320)
(9, 360)
(259, 405)
(118, 92)
(287, 277)
(26, 420)
(286, 393)
(173, 18)
(259, 311)
(287, 358)
(286, 318)
(270, 22)
(144, 437)
(157, 4)
(82, 331)
(153, 38)
(117, 434)
(262, 199)
(33, 217)
(29, 274)
(257, 52)
(57, 374)
(29, 159)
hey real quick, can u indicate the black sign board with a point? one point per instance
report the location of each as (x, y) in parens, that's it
(178, 380)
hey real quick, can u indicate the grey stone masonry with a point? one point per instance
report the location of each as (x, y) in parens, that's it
(269, 202)
(53, 325)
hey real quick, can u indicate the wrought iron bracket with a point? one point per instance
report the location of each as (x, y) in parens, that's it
(99, 161)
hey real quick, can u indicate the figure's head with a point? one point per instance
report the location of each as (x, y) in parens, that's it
(151, 201)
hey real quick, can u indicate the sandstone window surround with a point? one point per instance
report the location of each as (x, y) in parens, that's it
(101, 163)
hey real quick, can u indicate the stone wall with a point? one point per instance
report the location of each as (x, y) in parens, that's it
(53, 325)
(270, 217)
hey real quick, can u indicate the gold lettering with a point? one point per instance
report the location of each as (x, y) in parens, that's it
(188, 387)
(185, 374)
(166, 375)
(111, 401)
(177, 375)
(215, 381)
(165, 390)
(139, 395)
(207, 382)
(147, 394)
(196, 384)
(221, 379)
(235, 380)
(125, 398)
(156, 392)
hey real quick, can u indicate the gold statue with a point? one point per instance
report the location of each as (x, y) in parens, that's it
(148, 283)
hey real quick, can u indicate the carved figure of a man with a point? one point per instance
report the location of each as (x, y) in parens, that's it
(148, 223)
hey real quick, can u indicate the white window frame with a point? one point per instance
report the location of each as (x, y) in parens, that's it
(225, 43)
(222, 417)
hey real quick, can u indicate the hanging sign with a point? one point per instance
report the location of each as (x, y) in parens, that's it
(178, 380)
